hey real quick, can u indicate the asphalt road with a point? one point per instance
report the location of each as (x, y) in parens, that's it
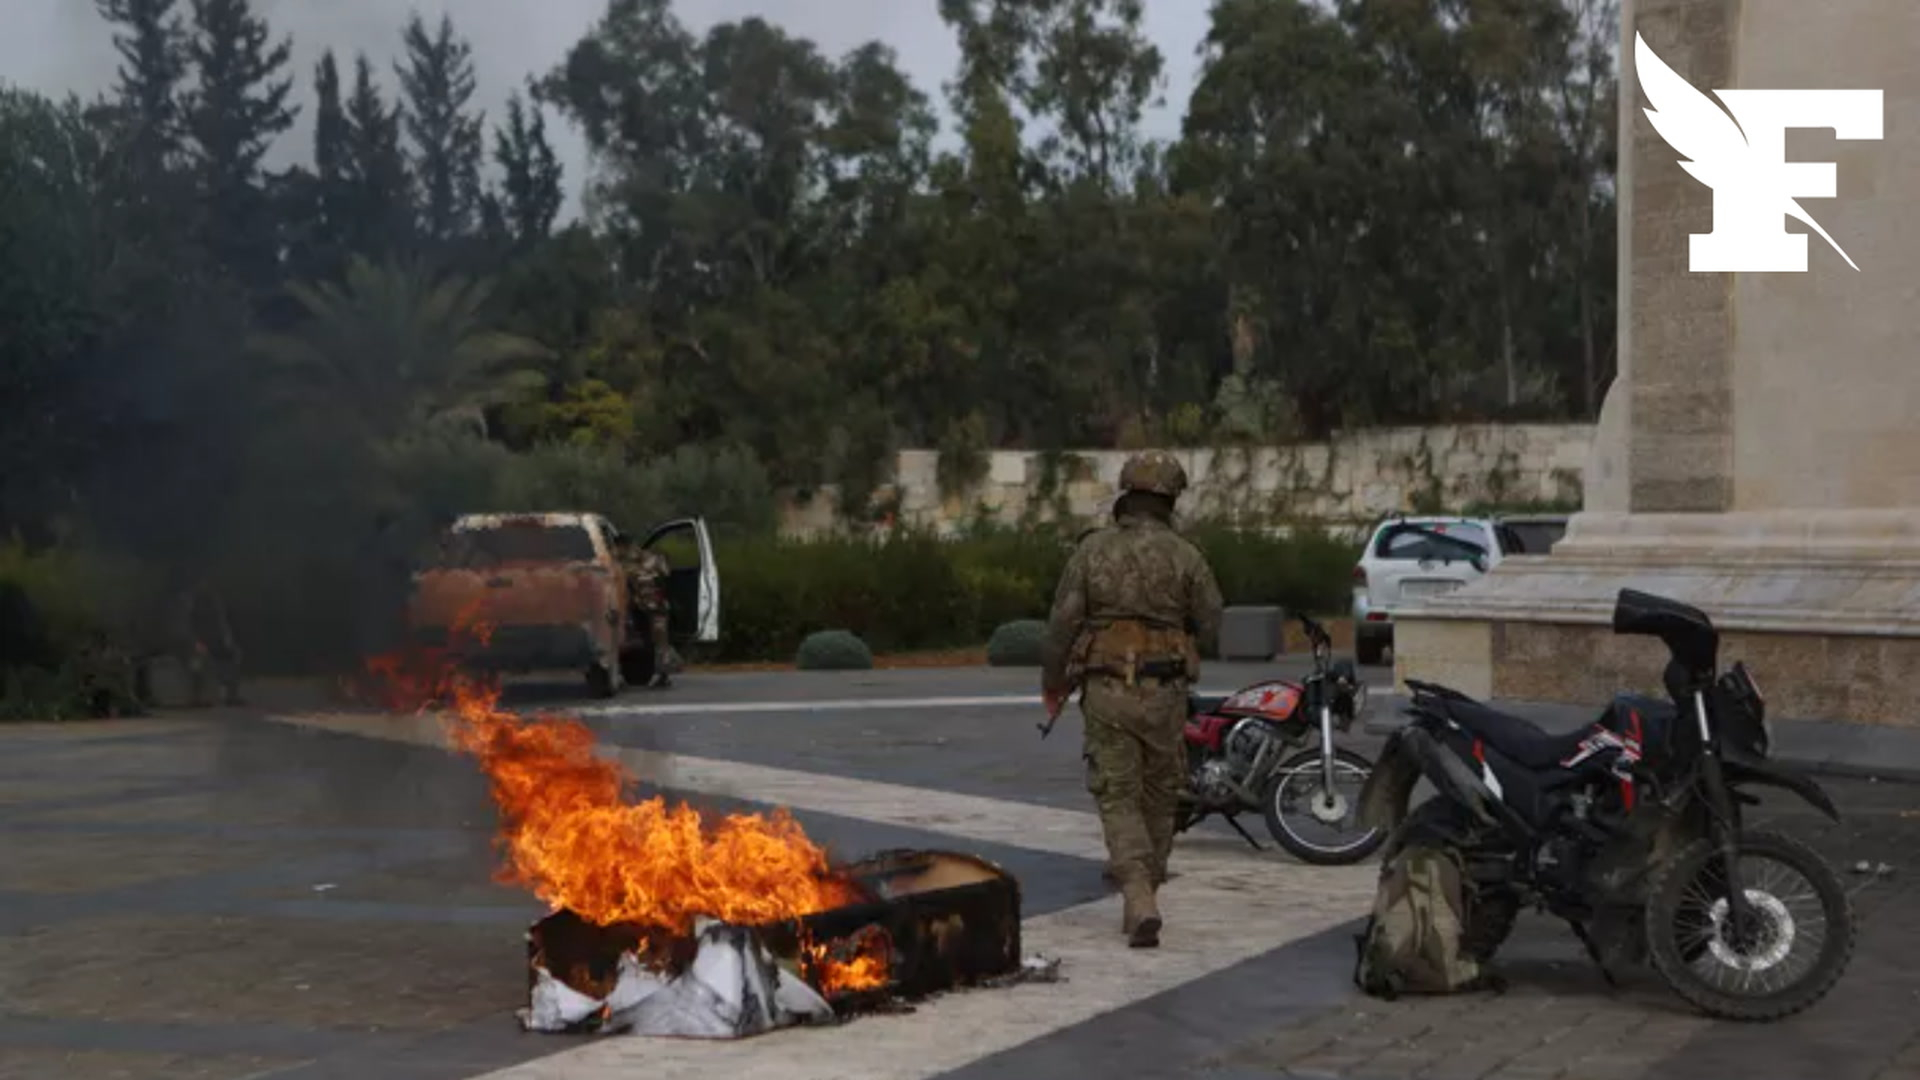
(290, 893)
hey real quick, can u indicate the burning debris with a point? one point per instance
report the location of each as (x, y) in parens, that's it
(732, 988)
(667, 923)
(926, 922)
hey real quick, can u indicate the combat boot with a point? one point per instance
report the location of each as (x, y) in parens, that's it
(1140, 920)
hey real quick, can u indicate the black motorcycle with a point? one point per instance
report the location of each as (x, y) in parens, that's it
(1630, 829)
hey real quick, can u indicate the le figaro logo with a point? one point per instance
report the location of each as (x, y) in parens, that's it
(1741, 153)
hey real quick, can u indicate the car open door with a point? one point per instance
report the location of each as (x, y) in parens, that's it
(693, 586)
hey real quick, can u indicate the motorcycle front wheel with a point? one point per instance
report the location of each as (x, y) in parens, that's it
(1316, 825)
(1798, 944)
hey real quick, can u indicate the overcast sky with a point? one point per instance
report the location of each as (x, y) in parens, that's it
(59, 45)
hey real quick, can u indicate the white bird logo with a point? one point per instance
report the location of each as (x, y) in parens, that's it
(1704, 133)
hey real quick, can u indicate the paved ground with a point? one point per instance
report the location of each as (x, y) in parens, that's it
(225, 895)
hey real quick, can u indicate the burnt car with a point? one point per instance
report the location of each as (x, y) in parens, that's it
(518, 593)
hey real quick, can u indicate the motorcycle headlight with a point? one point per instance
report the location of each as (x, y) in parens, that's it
(1359, 700)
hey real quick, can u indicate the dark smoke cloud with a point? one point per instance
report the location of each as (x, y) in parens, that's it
(56, 46)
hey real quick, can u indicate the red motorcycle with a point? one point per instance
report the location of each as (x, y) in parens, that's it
(1269, 749)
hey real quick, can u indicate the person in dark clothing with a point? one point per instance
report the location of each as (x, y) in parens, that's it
(206, 642)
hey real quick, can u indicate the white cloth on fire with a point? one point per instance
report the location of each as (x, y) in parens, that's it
(733, 988)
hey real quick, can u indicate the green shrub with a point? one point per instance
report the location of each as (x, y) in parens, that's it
(833, 650)
(912, 591)
(991, 596)
(66, 618)
(1307, 571)
(1016, 644)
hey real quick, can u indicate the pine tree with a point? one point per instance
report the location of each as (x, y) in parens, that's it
(329, 122)
(530, 194)
(379, 202)
(152, 45)
(445, 139)
(236, 110)
(320, 206)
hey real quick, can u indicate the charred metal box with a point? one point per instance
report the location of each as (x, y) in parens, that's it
(952, 920)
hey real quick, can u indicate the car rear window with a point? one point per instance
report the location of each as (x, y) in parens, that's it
(1412, 541)
(518, 542)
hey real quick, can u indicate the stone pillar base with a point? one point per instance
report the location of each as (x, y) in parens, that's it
(1823, 606)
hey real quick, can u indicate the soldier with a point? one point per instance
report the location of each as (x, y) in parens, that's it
(206, 639)
(646, 570)
(1135, 604)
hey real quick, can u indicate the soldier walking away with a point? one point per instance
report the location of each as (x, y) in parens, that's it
(206, 641)
(647, 572)
(1136, 603)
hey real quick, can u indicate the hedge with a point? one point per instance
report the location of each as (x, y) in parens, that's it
(911, 592)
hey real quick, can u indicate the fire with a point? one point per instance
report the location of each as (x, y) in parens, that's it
(574, 839)
(415, 678)
(861, 962)
(571, 833)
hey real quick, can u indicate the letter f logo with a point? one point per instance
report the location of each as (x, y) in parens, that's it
(1743, 158)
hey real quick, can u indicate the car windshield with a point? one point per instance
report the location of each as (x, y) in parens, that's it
(1438, 540)
(517, 542)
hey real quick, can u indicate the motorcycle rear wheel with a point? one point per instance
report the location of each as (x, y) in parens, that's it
(1305, 766)
(1696, 953)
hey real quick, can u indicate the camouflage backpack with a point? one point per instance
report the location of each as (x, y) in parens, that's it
(1412, 944)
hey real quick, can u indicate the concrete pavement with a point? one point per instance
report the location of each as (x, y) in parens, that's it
(221, 896)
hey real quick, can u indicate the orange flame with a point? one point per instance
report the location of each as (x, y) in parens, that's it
(861, 962)
(572, 837)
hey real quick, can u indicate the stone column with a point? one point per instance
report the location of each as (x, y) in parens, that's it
(1759, 452)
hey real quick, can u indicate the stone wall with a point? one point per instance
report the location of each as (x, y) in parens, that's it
(1357, 478)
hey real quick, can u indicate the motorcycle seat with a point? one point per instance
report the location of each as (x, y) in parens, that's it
(1516, 737)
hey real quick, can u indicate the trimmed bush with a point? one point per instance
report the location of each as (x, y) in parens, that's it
(1016, 644)
(833, 650)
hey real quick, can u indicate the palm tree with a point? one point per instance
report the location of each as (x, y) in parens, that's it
(397, 350)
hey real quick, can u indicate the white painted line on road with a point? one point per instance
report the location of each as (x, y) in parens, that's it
(1226, 905)
(840, 705)
(986, 701)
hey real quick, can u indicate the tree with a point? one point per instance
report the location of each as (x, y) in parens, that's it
(331, 134)
(1084, 65)
(445, 139)
(393, 348)
(529, 196)
(378, 218)
(151, 41)
(237, 108)
(317, 203)
(52, 256)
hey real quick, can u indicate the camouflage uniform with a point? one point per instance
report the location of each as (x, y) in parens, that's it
(1135, 603)
(646, 570)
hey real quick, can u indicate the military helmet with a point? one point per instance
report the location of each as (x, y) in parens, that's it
(1154, 471)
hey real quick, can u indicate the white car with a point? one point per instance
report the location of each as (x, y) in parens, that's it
(1409, 558)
